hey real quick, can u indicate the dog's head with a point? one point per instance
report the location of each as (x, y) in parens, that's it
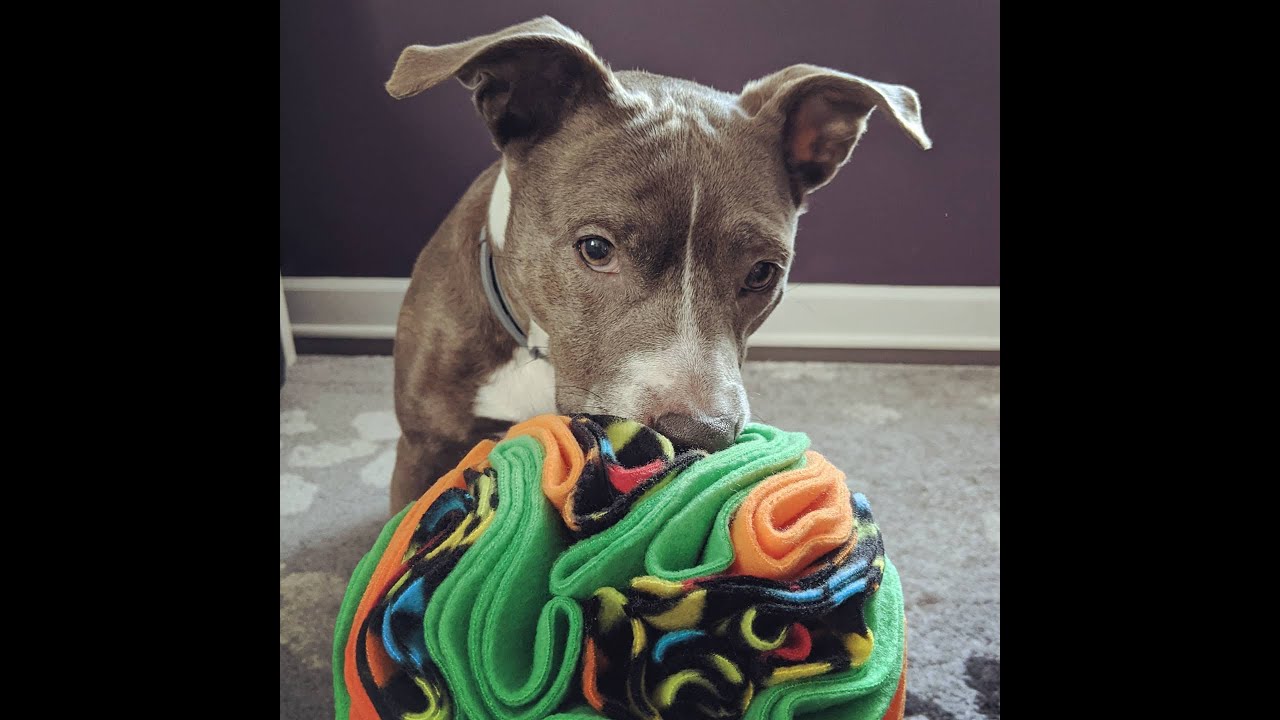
(646, 224)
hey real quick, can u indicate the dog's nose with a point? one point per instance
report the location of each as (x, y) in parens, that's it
(686, 431)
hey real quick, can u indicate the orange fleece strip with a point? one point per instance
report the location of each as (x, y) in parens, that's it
(393, 559)
(564, 460)
(589, 690)
(790, 520)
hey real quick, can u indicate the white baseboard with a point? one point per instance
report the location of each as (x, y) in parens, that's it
(813, 315)
(286, 330)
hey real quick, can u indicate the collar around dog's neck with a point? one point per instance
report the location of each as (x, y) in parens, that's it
(498, 300)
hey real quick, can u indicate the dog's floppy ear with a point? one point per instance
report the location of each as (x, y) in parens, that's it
(524, 78)
(820, 113)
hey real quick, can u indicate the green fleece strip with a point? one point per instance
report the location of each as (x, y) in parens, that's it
(347, 612)
(506, 647)
(618, 554)
(862, 693)
(582, 712)
(674, 552)
(717, 554)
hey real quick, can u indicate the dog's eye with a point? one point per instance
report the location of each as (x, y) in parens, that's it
(761, 276)
(598, 253)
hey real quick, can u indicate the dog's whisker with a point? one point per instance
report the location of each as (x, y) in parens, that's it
(586, 395)
(532, 360)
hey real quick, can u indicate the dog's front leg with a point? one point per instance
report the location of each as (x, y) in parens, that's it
(423, 456)
(438, 377)
(434, 405)
(420, 460)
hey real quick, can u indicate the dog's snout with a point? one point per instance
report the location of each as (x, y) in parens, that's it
(687, 431)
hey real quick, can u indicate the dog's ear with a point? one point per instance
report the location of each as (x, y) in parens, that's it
(525, 78)
(820, 113)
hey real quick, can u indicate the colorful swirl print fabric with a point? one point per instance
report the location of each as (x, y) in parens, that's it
(581, 568)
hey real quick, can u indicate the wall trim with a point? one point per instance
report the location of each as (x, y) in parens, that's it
(286, 330)
(813, 315)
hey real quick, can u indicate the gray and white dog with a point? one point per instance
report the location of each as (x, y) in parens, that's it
(635, 231)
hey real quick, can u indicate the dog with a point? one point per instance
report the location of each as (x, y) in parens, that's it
(635, 231)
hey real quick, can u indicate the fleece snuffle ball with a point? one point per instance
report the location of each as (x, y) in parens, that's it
(583, 568)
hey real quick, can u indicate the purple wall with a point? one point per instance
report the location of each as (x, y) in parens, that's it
(365, 180)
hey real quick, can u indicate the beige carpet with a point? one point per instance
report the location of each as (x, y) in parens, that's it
(922, 442)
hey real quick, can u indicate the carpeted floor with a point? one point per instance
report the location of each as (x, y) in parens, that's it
(922, 442)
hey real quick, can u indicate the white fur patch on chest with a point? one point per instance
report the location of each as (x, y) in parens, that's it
(538, 337)
(500, 208)
(520, 389)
